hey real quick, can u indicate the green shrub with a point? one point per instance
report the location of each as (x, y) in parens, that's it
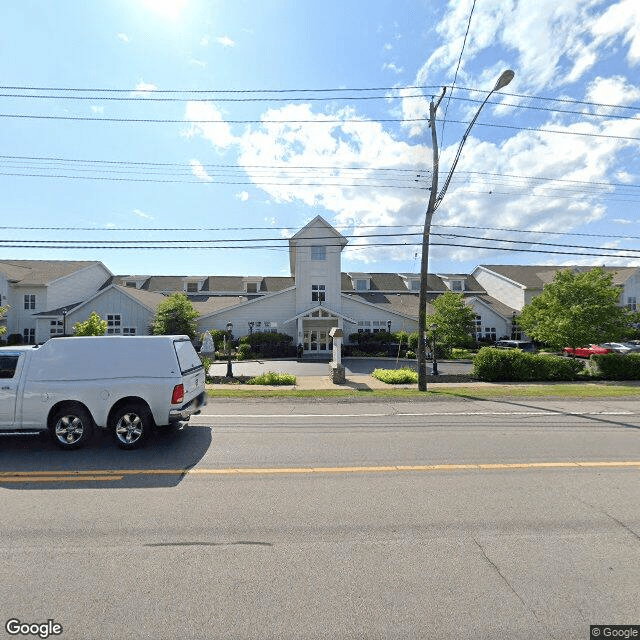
(396, 376)
(494, 365)
(243, 351)
(274, 379)
(411, 355)
(617, 366)
(461, 354)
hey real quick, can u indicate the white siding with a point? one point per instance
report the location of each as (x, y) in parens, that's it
(501, 289)
(113, 301)
(77, 286)
(276, 308)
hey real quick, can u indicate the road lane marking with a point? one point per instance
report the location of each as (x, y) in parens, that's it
(542, 412)
(119, 474)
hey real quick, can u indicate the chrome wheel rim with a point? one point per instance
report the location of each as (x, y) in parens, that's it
(129, 428)
(69, 429)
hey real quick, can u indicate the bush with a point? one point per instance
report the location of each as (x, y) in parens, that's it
(410, 355)
(396, 376)
(617, 366)
(269, 345)
(513, 365)
(243, 351)
(461, 354)
(273, 379)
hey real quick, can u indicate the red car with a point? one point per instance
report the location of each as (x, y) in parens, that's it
(585, 352)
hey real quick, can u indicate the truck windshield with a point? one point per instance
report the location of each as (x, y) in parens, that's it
(187, 356)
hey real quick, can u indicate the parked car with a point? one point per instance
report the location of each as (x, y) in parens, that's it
(586, 352)
(524, 345)
(621, 347)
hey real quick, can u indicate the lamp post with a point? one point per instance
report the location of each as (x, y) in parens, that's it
(229, 368)
(64, 322)
(251, 323)
(434, 328)
(435, 199)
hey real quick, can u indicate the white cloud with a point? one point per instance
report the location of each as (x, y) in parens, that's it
(197, 63)
(614, 90)
(97, 109)
(199, 171)
(204, 41)
(551, 43)
(143, 88)
(226, 41)
(391, 66)
(169, 9)
(123, 37)
(243, 196)
(142, 214)
(622, 221)
(208, 123)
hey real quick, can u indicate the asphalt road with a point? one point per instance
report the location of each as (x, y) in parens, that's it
(271, 519)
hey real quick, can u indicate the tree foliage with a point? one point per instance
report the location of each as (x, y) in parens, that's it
(576, 309)
(3, 311)
(175, 316)
(94, 325)
(455, 320)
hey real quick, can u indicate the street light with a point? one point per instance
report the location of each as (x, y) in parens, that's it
(434, 328)
(435, 199)
(64, 322)
(251, 327)
(229, 369)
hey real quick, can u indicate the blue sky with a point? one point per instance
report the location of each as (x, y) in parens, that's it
(137, 122)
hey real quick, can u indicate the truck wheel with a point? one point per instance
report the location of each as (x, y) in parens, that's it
(71, 427)
(131, 424)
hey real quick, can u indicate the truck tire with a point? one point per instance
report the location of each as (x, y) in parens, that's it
(131, 425)
(71, 426)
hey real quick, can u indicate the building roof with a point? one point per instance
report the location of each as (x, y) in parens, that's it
(536, 276)
(42, 272)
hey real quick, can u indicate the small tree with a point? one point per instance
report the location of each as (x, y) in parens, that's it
(576, 309)
(455, 320)
(94, 325)
(3, 311)
(175, 316)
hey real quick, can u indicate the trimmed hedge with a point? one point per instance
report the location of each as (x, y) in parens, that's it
(513, 365)
(617, 366)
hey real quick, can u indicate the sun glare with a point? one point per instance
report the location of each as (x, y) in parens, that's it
(169, 9)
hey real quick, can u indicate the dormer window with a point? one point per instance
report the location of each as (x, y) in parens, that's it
(361, 285)
(193, 284)
(192, 287)
(252, 283)
(318, 252)
(456, 285)
(252, 287)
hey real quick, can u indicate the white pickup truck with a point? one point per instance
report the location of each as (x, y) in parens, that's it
(128, 385)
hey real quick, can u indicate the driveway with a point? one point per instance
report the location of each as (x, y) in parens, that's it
(357, 366)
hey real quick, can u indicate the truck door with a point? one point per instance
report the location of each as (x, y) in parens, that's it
(9, 379)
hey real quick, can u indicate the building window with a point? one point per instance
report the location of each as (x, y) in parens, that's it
(318, 252)
(114, 323)
(131, 284)
(478, 327)
(490, 333)
(456, 285)
(631, 303)
(29, 336)
(55, 328)
(192, 287)
(361, 285)
(415, 285)
(29, 301)
(252, 287)
(318, 292)
(128, 331)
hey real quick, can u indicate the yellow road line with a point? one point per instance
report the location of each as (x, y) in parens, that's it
(119, 474)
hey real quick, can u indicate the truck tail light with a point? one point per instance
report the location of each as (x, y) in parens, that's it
(178, 394)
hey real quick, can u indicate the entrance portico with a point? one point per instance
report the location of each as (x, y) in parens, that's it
(313, 327)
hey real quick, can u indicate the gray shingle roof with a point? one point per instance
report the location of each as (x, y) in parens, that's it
(41, 272)
(536, 276)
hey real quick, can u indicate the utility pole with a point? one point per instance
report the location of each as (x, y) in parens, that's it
(424, 265)
(435, 199)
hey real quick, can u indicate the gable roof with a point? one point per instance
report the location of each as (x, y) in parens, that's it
(536, 276)
(43, 272)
